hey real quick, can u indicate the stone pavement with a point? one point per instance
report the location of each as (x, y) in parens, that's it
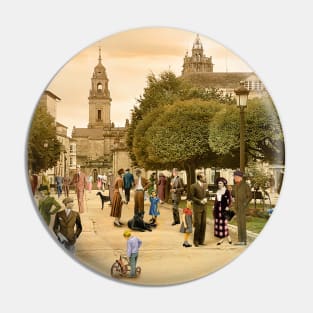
(163, 259)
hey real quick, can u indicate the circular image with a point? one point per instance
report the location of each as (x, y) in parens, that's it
(155, 156)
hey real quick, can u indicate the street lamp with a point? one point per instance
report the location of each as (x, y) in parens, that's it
(241, 98)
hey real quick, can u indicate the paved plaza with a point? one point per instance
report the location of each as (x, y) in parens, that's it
(163, 259)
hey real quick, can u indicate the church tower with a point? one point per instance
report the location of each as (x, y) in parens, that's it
(99, 98)
(197, 62)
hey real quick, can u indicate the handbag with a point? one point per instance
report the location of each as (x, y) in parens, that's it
(229, 214)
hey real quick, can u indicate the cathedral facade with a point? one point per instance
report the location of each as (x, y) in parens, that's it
(198, 70)
(101, 147)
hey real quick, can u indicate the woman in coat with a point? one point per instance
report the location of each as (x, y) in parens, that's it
(222, 203)
(161, 187)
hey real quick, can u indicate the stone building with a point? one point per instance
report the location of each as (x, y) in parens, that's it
(101, 146)
(198, 69)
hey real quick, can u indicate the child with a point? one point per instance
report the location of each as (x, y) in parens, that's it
(154, 210)
(186, 224)
(133, 245)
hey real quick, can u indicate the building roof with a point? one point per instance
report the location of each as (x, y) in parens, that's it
(94, 133)
(217, 79)
(51, 94)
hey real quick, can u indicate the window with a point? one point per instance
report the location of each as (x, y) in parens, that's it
(99, 118)
(99, 87)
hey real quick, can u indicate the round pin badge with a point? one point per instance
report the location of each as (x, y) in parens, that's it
(155, 156)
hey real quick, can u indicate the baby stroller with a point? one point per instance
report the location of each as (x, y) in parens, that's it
(121, 267)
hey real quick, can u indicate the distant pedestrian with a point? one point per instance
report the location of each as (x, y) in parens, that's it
(243, 196)
(99, 182)
(89, 182)
(34, 182)
(59, 184)
(110, 182)
(47, 205)
(66, 185)
(176, 190)
(272, 184)
(67, 225)
(186, 224)
(133, 246)
(198, 195)
(80, 182)
(222, 203)
(141, 185)
(154, 209)
(45, 183)
(161, 187)
(118, 199)
(128, 180)
(104, 180)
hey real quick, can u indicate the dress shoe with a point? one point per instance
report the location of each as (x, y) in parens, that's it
(230, 242)
(121, 223)
(219, 243)
(187, 245)
(175, 223)
(117, 224)
(196, 244)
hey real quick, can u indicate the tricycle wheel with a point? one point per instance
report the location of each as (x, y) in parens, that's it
(116, 270)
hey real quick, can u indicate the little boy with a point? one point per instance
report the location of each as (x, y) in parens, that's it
(133, 245)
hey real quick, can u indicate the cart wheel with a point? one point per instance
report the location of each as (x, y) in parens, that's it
(116, 270)
(138, 270)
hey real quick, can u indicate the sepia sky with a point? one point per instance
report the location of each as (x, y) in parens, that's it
(128, 58)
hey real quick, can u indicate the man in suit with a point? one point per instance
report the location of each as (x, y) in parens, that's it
(141, 185)
(80, 182)
(67, 225)
(243, 196)
(198, 194)
(128, 180)
(177, 187)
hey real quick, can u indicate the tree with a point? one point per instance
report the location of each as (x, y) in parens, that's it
(43, 145)
(264, 136)
(176, 135)
(165, 90)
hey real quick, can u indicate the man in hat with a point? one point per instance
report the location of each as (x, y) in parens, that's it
(177, 187)
(80, 182)
(67, 225)
(243, 196)
(128, 180)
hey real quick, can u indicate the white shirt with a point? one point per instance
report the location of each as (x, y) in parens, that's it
(67, 211)
(139, 185)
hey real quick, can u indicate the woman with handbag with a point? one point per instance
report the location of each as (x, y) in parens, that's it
(222, 203)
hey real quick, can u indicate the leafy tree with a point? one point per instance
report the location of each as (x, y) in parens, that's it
(43, 145)
(264, 136)
(176, 135)
(161, 91)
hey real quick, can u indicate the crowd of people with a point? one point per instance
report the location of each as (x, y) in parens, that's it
(157, 190)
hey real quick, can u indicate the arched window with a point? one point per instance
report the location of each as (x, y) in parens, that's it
(99, 87)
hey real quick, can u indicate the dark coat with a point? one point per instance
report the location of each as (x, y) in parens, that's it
(66, 225)
(243, 195)
(198, 193)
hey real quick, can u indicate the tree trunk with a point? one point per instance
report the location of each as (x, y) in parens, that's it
(191, 176)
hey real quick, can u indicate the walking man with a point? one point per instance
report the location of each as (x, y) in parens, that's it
(80, 182)
(128, 180)
(177, 187)
(198, 195)
(67, 225)
(243, 196)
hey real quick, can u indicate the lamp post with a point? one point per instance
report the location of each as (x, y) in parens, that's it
(241, 98)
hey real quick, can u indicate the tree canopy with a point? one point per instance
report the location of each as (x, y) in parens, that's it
(43, 145)
(264, 136)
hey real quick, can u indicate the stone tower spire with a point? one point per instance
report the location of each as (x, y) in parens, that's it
(99, 97)
(197, 62)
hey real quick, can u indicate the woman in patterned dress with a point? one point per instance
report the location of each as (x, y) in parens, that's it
(118, 198)
(222, 203)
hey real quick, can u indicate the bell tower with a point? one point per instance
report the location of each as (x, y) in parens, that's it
(99, 98)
